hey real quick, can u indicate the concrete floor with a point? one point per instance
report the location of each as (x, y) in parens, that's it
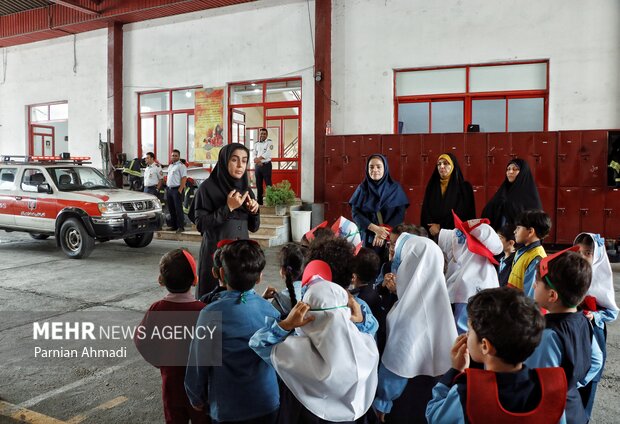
(121, 283)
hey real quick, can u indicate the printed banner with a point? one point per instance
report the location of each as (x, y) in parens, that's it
(209, 124)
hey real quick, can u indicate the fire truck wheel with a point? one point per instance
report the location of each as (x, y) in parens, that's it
(139, 240)
(39, 236)
(75, 240)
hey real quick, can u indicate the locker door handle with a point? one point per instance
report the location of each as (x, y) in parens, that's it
(608, 211)
(346, 159)
(562, 156)
(328, 160)
(584, 211)
(424, 158)
(561, 210)
(405, 157)
(491, 159)
(536, 157)
(468, 160)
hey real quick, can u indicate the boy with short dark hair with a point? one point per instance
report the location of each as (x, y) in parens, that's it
(504, 329)
(365, 269)
(244, 388)
(177, 272)
(532, 226)
(561, 284)
(507, 237)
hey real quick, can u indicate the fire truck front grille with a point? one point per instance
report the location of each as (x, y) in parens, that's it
(144, 205)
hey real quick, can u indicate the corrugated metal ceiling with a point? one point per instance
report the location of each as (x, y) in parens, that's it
(59, 19)
(14, 6)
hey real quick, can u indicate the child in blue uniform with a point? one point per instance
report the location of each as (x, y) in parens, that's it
(599, 305)
(562, 282)
(244, 389)
(504, 329)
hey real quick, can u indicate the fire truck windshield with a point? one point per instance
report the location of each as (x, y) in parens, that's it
(72, 178)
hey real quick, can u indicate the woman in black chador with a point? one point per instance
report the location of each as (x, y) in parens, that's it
(517, 193)
(224, 208)
(446, 191)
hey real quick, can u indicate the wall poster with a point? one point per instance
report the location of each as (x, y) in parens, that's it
(209, 124)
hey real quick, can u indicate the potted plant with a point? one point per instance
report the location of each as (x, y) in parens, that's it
(280, 195)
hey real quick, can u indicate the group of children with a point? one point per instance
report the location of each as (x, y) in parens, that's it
(446, 331)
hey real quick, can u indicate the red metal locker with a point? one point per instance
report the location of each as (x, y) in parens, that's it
(568, 215)
(547, 197)
(498, 155)
(432, 147)
(592, 210)
(353, 161)
(330, 212)
(411, 162)
(480, 197)
(568, 160)
(612, 214)
(390, 148)
(455, 144)
(544, 158)
(522, 146)
(416, 197)
(474, 168)
(371, 144)
(593, 154)
(333, 200)
(333, 159)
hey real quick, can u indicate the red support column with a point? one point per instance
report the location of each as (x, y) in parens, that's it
(115, 86)
(322, 91)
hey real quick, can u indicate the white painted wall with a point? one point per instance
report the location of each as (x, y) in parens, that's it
(43, 72)
(262, 40)
(581, 38)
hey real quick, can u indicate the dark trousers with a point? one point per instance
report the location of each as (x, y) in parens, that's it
(175, 207)
(184, 415)
(263, 173)
(265, 419)
(152, 190)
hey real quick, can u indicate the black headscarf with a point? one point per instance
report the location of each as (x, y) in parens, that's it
(513, 198)
(373, 196)
(213, 192)
(459, 196)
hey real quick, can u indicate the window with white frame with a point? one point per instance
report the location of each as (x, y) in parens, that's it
(496, 97)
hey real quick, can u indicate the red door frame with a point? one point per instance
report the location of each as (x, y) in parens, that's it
(33, 133)
(170, 112)
(272, 105)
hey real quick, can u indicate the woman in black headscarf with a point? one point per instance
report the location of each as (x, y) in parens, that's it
(378, 201)
(224, 208)
(446, 191)
(517, 193)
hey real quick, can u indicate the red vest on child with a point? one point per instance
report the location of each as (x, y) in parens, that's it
(483, 405)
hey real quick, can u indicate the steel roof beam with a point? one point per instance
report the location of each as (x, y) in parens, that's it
(77, 7)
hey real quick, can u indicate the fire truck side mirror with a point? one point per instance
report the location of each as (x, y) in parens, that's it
(44, 188)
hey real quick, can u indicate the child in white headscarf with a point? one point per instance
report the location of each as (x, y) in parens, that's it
(600, 303)
(470, 249)
(420, 330)
(321, 356)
